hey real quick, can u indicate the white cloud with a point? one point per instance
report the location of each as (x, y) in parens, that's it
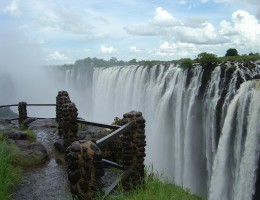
(222, 1)
(255, 2)
(134, 49)
(143, 30)
(13, 9)
(176, 50)
(91, 37)
(248, 28)
(163, 18)
(56, 56)
(63, 20)
(183, 2)
(242, 31)
(108, 50)
(226, 29)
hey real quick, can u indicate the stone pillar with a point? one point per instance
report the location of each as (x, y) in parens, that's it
(134, 149)
(61, 99)
(69, 121)
(22, 109)
(85, 168)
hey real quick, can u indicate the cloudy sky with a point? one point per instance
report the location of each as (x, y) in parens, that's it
(63, 31)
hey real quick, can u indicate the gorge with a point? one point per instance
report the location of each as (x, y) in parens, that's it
(202, 128)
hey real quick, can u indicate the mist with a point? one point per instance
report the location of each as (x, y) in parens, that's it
(22, 74)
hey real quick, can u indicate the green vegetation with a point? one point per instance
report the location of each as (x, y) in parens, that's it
(10, 176)
(231, 52)
(206, 59)
(155, 189)
(31, 136)
(186, 63)
(240, 58)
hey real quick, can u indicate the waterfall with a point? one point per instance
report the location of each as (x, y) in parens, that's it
(211, 98)
(236, 162)
(202, 141)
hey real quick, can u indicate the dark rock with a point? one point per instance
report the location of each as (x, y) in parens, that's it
(34, 153)
(73, 176)
(15, 135)
(28, 121)
(74, 189)
(60, 145)
(75, 147)
(256, 76)
(81, 135)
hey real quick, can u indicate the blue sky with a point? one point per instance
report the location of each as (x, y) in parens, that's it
(63, 31)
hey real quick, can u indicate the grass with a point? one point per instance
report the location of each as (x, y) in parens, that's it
(31, 136)
(21, 161)
(155, 189)
(10, 176)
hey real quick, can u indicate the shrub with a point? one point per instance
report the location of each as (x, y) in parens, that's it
(206, 59)
(231, 52)
(185, 63)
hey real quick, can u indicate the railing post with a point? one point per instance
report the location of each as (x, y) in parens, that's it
(69, 121)
(84, 168)
(22, 109)
(134, 149)
(61, 99)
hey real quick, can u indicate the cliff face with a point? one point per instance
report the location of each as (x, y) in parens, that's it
(186, 111)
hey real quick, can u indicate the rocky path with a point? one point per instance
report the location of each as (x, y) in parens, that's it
(48, 181)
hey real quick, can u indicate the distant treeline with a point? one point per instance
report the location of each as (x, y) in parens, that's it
(202, 58)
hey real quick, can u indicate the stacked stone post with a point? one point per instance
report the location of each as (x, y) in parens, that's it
(69, 122)
(134, 149)
(61, 99)
(84, 168)
(22, 109)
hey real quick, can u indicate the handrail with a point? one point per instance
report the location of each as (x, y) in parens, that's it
(40, 104)
(122, 178)
(113, 127)
(9, 119)
(103, 141)
(10, 105)
(113, 164)
(29, 104)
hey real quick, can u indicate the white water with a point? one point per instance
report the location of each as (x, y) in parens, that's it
(210, 101)
(235, 165)
(181, 128)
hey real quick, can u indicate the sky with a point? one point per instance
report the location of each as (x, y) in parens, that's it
(63, 31)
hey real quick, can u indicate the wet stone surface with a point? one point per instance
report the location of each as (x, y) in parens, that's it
(48, 181)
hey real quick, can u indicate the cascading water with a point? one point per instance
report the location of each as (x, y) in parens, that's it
(183, 127)
(210, 101)
(236, 162)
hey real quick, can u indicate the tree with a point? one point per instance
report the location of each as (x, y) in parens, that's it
(133, 61)
(206, 59)
(231, 52)
(253, 54)
(185, 63)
